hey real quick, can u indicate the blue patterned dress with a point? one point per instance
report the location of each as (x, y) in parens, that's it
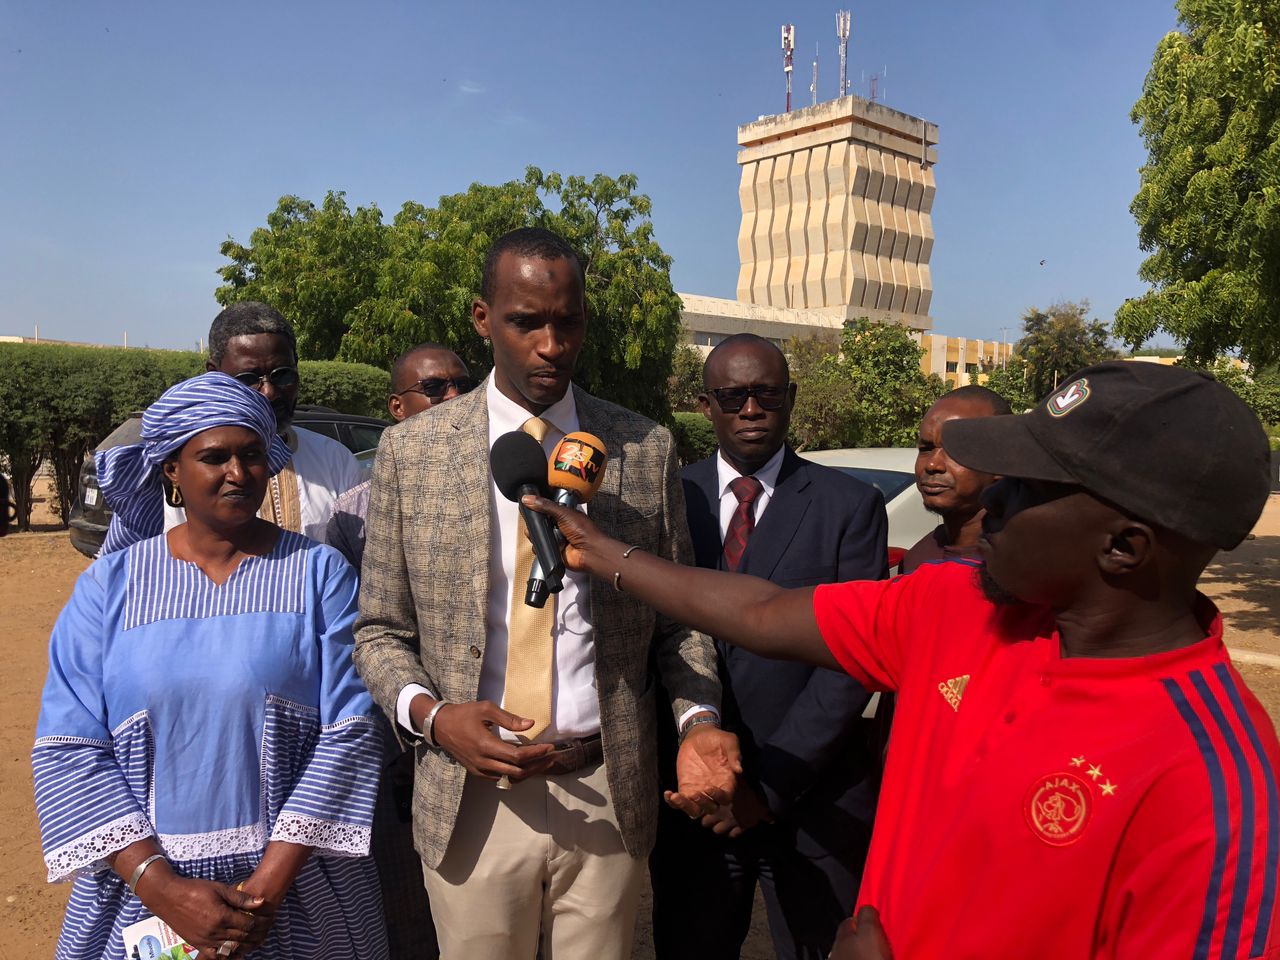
(214, 718)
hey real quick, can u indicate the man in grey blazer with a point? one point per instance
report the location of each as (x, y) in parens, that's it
(530, 824)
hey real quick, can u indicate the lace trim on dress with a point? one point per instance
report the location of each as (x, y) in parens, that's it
(300, 708)
(60, 740)
(329, 837)
(348, 721)
(215, 843)
(126, 724)
(87, 854)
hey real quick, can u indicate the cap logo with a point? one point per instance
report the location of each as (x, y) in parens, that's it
(1068, 398)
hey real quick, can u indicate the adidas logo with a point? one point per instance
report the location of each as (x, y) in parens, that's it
(952, 690)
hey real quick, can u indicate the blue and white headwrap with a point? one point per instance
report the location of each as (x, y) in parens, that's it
(130, 477)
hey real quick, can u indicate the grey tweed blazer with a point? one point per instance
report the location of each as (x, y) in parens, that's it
(425, 580)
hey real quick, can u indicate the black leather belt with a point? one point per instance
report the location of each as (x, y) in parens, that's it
(571, 755)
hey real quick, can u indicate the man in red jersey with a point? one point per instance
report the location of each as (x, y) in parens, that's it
(1078, 771)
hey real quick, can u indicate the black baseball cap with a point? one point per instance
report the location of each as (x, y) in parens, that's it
(1165, 443)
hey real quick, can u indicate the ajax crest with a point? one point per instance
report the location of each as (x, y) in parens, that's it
(1068, 398)
(1058, 808)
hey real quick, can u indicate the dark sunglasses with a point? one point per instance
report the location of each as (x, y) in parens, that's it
(280, 378)
(434, 388)
(733, 399)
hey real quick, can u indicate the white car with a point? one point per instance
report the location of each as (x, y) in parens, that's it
(891, 470)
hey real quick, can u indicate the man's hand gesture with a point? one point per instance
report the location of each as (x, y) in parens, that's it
(466, 731)
(707, 769)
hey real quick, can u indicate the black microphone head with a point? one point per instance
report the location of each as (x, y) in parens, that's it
(518, 460)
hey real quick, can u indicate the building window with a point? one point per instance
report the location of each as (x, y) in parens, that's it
(970, 368)
(951, 366)
(701, 339)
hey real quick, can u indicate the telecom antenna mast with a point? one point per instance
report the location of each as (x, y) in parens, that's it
(788, 47)
(813, 86)
(842, 34)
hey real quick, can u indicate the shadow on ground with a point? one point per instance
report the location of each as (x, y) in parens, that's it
(1246, 581)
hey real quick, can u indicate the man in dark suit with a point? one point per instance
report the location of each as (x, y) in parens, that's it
(801, 817)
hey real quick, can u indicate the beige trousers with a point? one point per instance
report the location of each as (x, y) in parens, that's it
(544, 857)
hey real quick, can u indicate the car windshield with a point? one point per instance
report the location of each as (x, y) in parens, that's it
(889, 482)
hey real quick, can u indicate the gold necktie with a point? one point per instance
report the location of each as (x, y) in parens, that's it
(530, 650)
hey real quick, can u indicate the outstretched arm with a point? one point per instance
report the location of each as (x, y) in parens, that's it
(746, 611)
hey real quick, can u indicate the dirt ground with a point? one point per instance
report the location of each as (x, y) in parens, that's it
(38, 570)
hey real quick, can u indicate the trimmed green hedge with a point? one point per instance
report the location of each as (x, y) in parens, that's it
(348, 387)
(58, 402)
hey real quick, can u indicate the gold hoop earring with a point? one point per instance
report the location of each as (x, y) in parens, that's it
(173, 495)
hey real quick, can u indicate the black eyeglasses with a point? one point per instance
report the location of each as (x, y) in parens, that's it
(280, 378)
(733, 399)
(434, 388)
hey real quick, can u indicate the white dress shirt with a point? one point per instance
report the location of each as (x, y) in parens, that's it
(726, 473)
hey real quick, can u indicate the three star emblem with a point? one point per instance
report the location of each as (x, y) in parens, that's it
(1095, 773)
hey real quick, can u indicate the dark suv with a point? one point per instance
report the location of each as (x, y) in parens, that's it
(90, 515)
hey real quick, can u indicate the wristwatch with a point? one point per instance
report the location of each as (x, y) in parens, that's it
(695, 720)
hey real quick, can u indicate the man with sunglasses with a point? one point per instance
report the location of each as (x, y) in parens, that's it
(422, 377)
(255, 344)
(801, 817)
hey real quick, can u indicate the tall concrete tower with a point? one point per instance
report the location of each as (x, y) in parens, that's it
(835, 212)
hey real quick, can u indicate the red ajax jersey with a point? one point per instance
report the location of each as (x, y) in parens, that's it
(1041, 807)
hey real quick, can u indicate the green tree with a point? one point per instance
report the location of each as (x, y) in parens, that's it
(882, 362)
(1011, 382)
(634, 311)
(362, 290)
(1056, 342)
(1208, 208)
(79, 414)
(25, 424)
(685, 383)
(431, 273)
(823, 417)
(316, 265)
(1259, 389)
(864, 390)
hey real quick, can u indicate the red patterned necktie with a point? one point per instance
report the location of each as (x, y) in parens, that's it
(743, 521)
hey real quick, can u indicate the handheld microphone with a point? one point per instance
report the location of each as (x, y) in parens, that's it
(519, 467)
(575, 472)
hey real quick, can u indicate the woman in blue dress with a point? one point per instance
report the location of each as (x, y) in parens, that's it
(205, 751)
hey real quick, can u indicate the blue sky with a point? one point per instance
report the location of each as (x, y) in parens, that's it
(139, 136)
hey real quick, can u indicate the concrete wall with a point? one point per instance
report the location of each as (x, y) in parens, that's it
(708, 320)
